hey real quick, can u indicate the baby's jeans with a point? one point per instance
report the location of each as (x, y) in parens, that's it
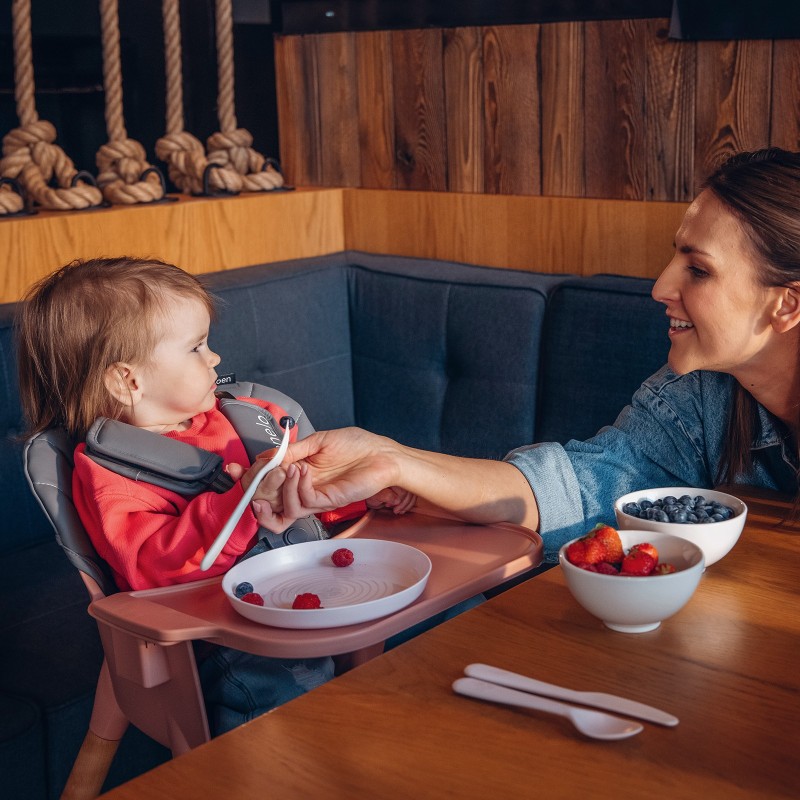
(239, 686)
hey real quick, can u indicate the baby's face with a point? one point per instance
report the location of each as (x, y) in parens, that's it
(180, 379)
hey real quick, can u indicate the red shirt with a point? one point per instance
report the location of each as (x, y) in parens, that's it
(151, 536)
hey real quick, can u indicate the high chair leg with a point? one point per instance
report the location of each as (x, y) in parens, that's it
(106, 729)
(90, 768)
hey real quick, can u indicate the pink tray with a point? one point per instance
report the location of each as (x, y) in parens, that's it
(467, 559)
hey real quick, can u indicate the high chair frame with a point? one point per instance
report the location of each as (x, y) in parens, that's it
(149, 675)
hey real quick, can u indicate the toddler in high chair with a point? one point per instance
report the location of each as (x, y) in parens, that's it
(127, 339)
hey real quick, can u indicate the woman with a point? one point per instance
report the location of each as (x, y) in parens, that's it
(725, 409)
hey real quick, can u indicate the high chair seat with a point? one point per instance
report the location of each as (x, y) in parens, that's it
(149, 675)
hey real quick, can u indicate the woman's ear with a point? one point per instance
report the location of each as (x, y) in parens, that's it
(123, 384)
(787, 311)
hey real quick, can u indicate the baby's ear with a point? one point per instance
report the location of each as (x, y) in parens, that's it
(122, 384)
(787, 312)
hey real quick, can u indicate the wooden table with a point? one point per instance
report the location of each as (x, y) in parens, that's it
(728, 665)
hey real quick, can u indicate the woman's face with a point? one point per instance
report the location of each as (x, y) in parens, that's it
(719, 314)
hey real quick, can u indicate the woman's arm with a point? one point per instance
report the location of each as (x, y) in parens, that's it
(330, 469)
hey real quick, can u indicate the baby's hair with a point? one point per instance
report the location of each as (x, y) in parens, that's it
(75, 323)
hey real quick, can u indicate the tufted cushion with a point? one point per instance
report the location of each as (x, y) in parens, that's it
(286, 325)
(588, 319)
(445, 357)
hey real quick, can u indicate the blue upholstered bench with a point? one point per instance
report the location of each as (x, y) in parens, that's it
(466, 360)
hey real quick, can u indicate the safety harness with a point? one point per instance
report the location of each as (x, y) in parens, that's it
(143, 455)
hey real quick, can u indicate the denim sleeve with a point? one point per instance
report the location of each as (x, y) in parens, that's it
(656, 441)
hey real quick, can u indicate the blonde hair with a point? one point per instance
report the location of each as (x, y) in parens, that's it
(81, 319)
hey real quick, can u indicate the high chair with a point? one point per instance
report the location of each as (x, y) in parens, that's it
(149, 675)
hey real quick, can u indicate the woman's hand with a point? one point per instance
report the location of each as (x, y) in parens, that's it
(331, 469)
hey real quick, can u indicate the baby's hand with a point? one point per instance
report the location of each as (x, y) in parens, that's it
(268, 490)
(399, 500)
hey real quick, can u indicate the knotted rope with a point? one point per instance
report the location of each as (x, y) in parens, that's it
(29, 155)
(232, 145)
(125, 176)
(232, 165)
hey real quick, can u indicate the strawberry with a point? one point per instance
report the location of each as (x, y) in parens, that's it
(664, 569)
(601, 544)
(648, 548)
(637, 562)
(253, 598)
(307, 600)
(342, 557)
(602, 567)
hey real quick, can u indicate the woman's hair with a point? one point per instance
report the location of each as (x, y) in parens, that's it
(74, 324)
(762, 190)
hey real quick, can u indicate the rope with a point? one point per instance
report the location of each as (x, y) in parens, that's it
(29, 155)
(231, 146)
(184, 154)
(232, 165)
(121, 162)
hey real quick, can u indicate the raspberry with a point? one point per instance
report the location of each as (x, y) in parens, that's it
(342, 557)
(243, 588)
(307, 600)
(252, 597)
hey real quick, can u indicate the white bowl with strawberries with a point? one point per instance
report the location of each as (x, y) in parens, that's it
(677, 510)
(632, 580)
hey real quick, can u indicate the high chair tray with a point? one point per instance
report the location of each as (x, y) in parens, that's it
(466, 560)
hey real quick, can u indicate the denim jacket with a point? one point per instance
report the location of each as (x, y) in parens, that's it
(672, 434)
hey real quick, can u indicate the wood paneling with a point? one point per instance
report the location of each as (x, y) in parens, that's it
(614, 118)
(338, 103)
(375, 110)
(611, 109)
(419, 109)
(785, 106)
(198, 234)
(512, 105)
(733, 99)
(463, 77)
(669, 116)
(563, 162)
(544, 234)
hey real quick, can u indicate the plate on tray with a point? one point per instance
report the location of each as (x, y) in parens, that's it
(383, 578)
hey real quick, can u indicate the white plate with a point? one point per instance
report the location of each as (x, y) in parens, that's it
(383, 578)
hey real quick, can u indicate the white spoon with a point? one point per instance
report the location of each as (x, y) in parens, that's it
(595, 724)
(287, 423)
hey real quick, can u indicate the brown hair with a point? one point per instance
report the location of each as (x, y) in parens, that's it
(75, 323)
(762, 190)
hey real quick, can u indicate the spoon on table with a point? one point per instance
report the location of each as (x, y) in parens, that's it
(287, 423)
(595, 724)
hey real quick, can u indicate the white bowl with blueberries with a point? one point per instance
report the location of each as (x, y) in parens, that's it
(712, 520)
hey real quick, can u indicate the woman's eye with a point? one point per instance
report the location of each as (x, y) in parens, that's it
(696, 272)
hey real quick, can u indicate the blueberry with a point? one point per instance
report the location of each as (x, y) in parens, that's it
(686, 501)
(660, 516)
(243, 588)
(680, 516)
(632, 509)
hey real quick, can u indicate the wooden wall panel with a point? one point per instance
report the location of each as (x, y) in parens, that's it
(512, 106)
(733, 98)
(198, 234)
(614, 123)
(669, 115)
(463, 81)
(546, 234)
(375, 109)
(338, 104)
(611, 109)
(418, 85)
(562, 57)
(785, 101)
(299, 126)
